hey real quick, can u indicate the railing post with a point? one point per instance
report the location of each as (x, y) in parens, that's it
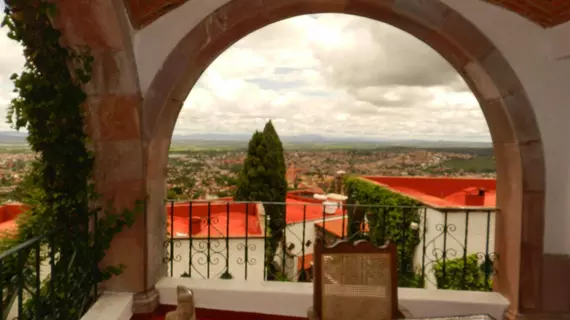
(38, 282)
(53, 274)
(171, 256)
(95, 262)
(190, 238)
(403, 257)
(424, 246)
(20, 283)
(246, 256)
(2, 288)
(208, 244)
(265, 262)
(228, 236)
(303, 272)
(487, 262)
(444, 253)
(463, 284)
(283, 242)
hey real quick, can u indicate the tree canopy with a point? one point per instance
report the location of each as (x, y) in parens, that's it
(262, 177)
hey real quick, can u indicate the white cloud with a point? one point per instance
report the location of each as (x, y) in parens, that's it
(334, 75)
(325, 74)
(11, 61)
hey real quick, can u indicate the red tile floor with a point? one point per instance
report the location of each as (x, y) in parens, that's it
(206, 314)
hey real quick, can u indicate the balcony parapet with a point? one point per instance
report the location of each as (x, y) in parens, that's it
(292, 299)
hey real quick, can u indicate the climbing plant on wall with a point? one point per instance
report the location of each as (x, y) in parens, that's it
(50, 106)
(390, 216)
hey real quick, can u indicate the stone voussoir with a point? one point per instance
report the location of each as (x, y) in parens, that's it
(522, 116)
(430, 13)
(456, 28)
(533, 166)
(500, 71)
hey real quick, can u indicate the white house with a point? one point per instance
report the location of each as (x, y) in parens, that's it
(303, 212)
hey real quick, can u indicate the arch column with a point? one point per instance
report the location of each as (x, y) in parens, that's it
(113, 109)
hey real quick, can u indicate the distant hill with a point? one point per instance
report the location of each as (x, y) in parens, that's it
(13, 137)
(205, 139)
(218, 138)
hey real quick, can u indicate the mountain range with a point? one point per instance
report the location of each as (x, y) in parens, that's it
(13, 137)
(319, 139)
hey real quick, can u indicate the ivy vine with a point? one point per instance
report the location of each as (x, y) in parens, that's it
(389, 216)
(59, 188)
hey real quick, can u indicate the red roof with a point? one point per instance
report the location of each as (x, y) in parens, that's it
(299, 208)
(8, 214)
(302, 208)
(443, 191)
(225, 219)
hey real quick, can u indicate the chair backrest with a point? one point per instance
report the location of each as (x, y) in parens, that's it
(355, 280)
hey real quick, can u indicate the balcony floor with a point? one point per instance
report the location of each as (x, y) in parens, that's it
(205, 314)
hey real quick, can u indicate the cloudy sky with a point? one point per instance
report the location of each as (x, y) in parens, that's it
(330, 74)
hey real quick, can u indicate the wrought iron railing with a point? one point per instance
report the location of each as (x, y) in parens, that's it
(50, 276)
(437, 248)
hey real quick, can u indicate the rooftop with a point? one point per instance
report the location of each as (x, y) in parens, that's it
(443, 191)
(232, 219)
(8, 214)
(301, 209)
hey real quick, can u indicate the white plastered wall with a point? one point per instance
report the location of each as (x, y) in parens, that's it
(538, 56)
(531, 51)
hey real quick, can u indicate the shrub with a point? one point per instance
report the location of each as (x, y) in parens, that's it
(389, 219)
(462, 274)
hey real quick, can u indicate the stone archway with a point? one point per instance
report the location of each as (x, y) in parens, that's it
(511, 120)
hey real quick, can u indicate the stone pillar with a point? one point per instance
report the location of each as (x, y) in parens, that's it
(113, 123)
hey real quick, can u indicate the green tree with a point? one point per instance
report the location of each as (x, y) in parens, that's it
(255, 173)
(278, 191)
(263, 179)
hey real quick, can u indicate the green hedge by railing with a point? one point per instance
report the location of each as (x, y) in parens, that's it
(465, 273)
(391, 221)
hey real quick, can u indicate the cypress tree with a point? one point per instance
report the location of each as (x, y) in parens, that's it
(278, 187)
(262, 178)
(254, 175)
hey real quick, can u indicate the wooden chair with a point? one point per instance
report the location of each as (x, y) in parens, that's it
(355, 280)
